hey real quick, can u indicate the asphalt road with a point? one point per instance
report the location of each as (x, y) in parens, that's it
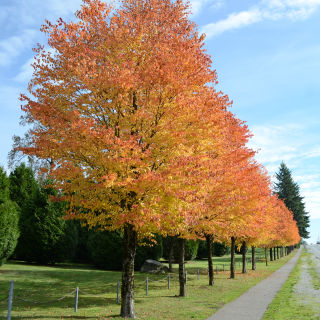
(315, 249)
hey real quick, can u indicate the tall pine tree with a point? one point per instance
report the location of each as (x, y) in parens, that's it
(289, 192)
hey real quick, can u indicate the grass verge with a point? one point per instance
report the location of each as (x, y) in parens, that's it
(290, 305)
(312, 270)
(45, 283)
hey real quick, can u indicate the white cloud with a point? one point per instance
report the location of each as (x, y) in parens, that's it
(276, 143)
(312, 200)
(310, 185)
(196, 6)
(234, 21)
(306, 177)
(12, 47)
(217, 4)
(291, 3)
(266, 9)
(289, 143)
(36, 11)
(314, 152)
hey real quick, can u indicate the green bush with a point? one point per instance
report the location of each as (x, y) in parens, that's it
(106, 249)
(191, 249)
(203, 249)
(238, 250)
(82, 253)
(149, 251)
(72, 235)
(9, 219)
(23, 184)
(166, 242)
(220, 249)
(44, 237)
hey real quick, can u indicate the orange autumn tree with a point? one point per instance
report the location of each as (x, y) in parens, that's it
(124, 111)
(223, 179)
(279, 228)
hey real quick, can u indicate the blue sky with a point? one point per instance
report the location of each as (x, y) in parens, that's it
(267, 56)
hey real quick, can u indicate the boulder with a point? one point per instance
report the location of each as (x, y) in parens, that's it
(153, 266)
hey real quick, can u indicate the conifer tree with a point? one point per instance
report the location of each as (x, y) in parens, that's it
(289, 192)
(9, 230)
(22, 184)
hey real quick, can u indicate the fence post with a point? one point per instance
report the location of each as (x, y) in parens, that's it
(223, 268)
(10, 300)
(198, 274)
(76, 300)
(118, 292)
(217, 269)
(147, 286)
(186, 277)
(168, 281)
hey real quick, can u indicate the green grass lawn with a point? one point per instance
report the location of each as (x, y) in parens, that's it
(289, 305)
(45, 283)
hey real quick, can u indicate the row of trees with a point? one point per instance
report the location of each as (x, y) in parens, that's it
(138, 140)
(45, 238)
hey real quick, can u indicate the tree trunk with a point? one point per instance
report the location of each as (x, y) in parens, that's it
(265, 253)
(244, 261)
(278, 253)
(274, 254)
(182, 273)
(210, 265)
(171, 254)
(271, 256)
(127, 287)
(253, 258)
(233, 247)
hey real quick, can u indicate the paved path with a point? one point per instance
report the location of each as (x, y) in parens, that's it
(254, 303)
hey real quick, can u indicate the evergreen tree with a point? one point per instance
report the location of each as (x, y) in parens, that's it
(22, 184)
(45, 238)
(289, 192)
(9, 230)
